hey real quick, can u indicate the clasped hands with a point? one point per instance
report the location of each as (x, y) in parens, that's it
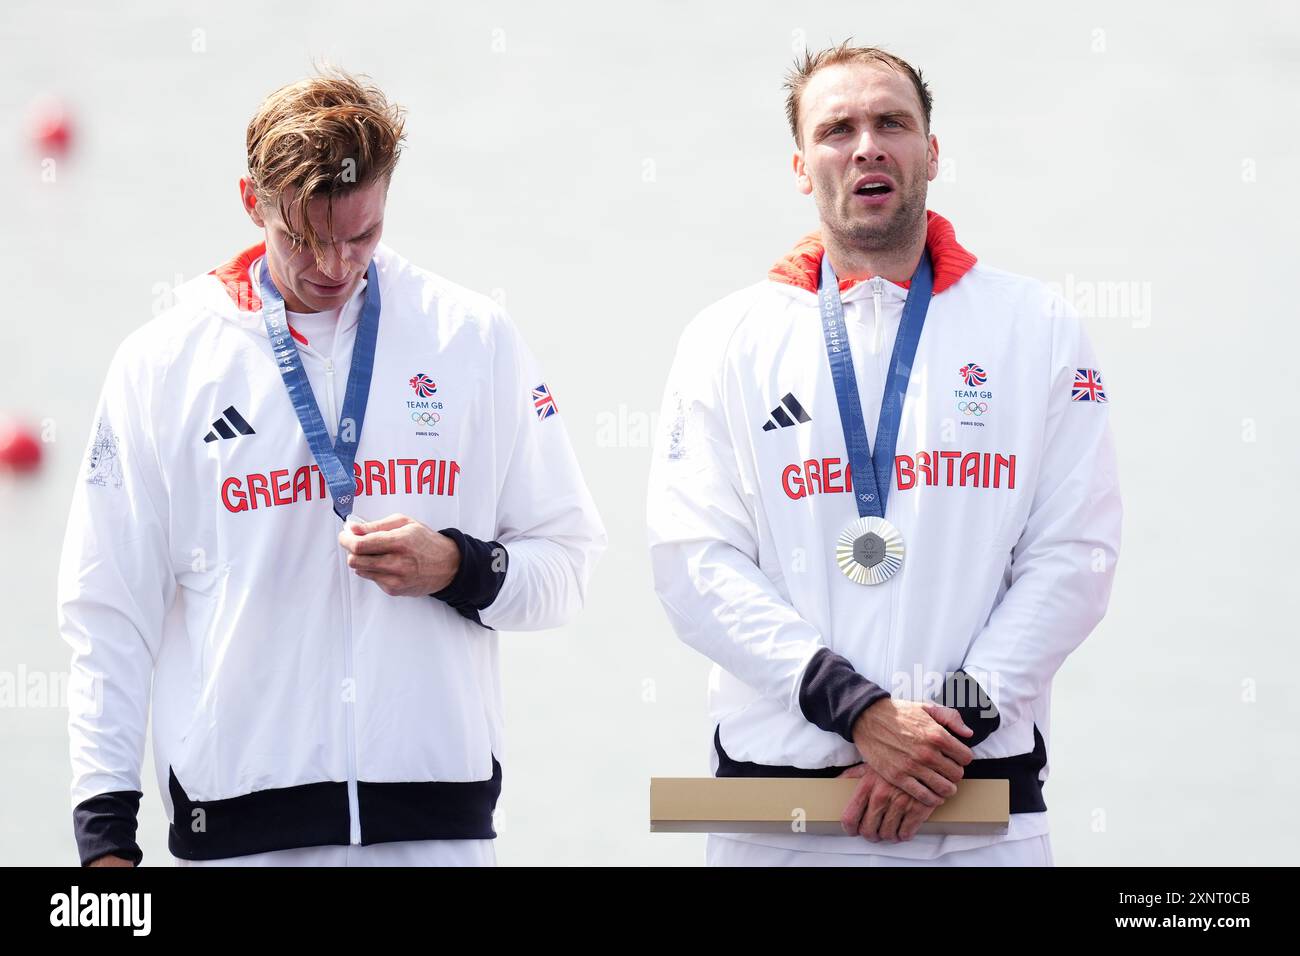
(913, 758)
(399, 554)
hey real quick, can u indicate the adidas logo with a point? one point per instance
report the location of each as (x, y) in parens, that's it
(221, 427)
(788, 413)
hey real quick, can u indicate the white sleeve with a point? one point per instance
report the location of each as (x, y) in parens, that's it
(546, 519)
(704, 536)
(1063, 564)
(114, 587)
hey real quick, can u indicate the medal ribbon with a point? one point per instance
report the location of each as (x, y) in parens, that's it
(335, 461)
(871, 473)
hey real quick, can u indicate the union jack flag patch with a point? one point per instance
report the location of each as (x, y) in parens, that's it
(544, 401)
(1087, 386)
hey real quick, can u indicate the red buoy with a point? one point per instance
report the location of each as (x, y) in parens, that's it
(51, 128)
(19, 447)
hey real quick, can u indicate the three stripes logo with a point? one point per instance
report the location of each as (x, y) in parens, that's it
(221, 427)
(788, 413)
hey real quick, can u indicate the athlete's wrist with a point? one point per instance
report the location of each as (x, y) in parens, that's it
(964, 694)
(479, 576)
(866, 721)
(833, 695)
(105, 824)
(454, 560)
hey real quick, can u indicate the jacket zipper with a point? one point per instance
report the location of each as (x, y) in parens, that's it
(877, 292)
(354, 810)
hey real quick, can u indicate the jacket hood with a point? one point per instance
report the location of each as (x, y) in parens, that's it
(238, 283)
(801, 266)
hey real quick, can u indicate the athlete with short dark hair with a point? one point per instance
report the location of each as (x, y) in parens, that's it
(885, 503)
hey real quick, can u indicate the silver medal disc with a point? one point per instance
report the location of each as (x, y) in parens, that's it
(869, 551)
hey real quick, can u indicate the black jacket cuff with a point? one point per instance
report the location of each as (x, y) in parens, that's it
(105, 823)
(833, 695)
(963, 693)
(483, 566)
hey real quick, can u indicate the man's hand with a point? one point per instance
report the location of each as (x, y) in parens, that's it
(909, 745)
(109, 860)
(402, 556)
(879, 811)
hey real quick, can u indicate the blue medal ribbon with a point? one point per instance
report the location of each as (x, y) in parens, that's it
(335, 461)
(871, 473)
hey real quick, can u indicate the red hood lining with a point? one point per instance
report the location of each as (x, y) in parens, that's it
(239, 284)
(801, 266)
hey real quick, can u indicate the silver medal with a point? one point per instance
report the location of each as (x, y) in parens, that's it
(869, 551)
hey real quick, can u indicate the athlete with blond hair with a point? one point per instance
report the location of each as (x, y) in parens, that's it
(325, 689)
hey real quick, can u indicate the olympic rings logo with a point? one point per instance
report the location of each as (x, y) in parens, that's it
(973, 408)
(426, 418)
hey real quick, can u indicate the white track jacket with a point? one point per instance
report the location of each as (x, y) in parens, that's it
(1004, 489)
(294, 703)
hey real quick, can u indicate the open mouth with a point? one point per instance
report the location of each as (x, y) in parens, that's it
(874, 189)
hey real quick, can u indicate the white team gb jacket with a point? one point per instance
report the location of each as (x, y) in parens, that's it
(293, 702)
(1004, 487)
